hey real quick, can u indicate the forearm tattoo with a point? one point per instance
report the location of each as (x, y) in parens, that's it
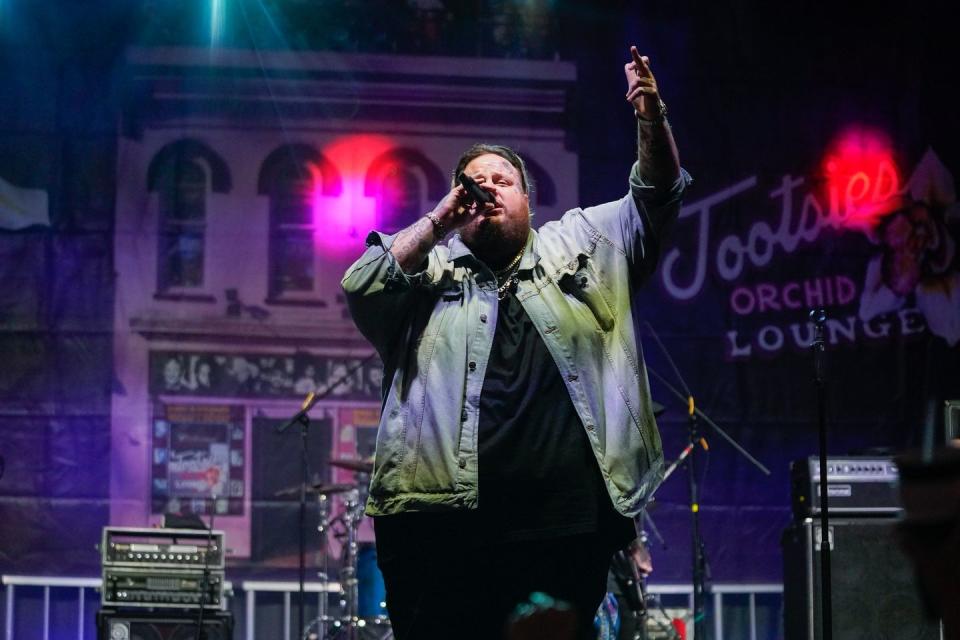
(657, 155)
(412, 245)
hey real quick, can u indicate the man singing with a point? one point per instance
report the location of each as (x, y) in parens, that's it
(517, 438)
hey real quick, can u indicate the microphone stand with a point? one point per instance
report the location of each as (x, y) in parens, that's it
(302, 418)
(695, 438)
(819, 317)
(205, 576)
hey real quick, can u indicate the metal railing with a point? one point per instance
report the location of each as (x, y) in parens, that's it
(718, 591)
(86, 593)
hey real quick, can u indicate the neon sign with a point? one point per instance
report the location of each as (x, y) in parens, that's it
(861, 176)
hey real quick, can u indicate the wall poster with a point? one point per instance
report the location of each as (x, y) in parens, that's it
(198, 459)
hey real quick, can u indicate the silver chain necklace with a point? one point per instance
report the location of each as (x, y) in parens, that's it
(511, 272)
(507, 286)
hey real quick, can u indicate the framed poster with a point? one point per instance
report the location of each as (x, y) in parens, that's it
(198, 459)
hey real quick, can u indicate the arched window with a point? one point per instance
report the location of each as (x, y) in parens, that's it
(292, 176)
(399, 201)
(405, 183)
(183, 173)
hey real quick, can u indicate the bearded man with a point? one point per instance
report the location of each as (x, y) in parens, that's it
(517, 439)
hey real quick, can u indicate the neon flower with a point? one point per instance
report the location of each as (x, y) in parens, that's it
(918, 253)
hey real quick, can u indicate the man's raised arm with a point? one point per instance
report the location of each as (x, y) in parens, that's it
(657, 155)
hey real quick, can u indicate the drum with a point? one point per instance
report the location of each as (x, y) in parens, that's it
(370, 585)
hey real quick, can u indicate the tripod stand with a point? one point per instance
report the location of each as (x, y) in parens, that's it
(695, 439)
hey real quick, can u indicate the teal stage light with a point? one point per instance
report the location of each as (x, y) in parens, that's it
(216, 21)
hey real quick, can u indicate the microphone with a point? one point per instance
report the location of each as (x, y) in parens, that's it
(478, 193)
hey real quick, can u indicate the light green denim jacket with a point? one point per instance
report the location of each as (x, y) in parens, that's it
(434, 330)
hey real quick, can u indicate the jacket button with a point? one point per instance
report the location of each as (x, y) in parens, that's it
(483, 317)
(463, 416)
(463, 463)
(472, 366)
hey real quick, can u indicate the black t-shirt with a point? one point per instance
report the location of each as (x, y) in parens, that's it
(538, 473)
(538, 477)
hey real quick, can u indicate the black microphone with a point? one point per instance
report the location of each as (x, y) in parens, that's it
(478, 193)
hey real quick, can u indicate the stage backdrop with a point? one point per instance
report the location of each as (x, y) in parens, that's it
(177, 206)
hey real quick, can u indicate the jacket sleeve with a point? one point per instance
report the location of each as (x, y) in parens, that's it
(379, 295)
(637, 223)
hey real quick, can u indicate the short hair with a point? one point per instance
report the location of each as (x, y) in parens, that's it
(504, 152)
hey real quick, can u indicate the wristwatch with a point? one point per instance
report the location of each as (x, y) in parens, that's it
(658, 119)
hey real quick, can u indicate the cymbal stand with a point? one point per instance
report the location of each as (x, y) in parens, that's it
(348, 573)
(323, 528)
(346, 625)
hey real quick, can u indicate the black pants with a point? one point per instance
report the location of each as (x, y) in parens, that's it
(439, 590)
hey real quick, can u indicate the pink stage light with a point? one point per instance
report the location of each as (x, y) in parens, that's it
(342, 222)
(862, 178)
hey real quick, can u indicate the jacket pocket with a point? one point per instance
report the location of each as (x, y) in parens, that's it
(579, 279)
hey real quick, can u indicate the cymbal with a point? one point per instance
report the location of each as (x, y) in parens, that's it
(317, 489)
(338, 487)
(359, 465)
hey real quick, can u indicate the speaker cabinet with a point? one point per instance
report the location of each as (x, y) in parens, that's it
(873, 592)
(117, 625)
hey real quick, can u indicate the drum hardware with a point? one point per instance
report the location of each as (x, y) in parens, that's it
(350, 624)
(302, 419)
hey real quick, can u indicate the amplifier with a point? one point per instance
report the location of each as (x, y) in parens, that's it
(179, 548)
(144, 625)
(856, 486)
(872, 585)
(145, 587)
(162, 568)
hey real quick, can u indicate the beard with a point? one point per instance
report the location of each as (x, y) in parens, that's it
(496, 241)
